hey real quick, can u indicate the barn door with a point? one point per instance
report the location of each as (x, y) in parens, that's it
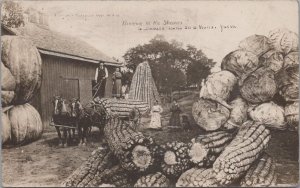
(69, 88)
(85, 91)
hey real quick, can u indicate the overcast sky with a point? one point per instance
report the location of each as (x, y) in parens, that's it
(100, 23)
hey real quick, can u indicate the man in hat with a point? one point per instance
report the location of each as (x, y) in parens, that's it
(100, 77)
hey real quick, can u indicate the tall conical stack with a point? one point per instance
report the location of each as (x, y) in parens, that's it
(142, 85)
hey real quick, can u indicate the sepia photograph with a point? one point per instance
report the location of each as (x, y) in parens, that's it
(103, 93)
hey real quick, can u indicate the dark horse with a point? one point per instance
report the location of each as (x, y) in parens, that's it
(96, 115)
(64, 119)
(90, 115)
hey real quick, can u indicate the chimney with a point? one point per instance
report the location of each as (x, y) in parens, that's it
(36, 17)
(32, 15)
(41, 22)
(45, 20)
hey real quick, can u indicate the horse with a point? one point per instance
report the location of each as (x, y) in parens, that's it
(97, 115)
(87, 117)
(63, 115)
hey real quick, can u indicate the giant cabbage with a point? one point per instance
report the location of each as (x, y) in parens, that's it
(269, 114)
(291, 112)
(209, 115)
(241, 63)
(259, 87)
(272, 60)
(238, 113)
(291, 59)
(218, 87)
(283, 40)
(257, 44)
(287, 80)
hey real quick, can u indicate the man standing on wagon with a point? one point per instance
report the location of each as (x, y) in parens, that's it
(100, 77)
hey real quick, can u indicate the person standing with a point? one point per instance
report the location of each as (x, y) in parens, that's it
(117, 88)
(175, 117)
(100, 77)
(155, 122)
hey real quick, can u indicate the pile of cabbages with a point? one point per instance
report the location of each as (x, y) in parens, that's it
(258, 81)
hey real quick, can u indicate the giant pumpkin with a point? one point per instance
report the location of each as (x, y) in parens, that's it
(26, 124)
(8, 85)
(6, 128)
(23, 60)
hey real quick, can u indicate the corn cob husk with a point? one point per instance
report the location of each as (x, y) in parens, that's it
(197, 177)
(261, 174)
(251, 140)
(204, 149)
(134, 151)
(176, 159)
(142, 85)
(153, 180)
(100, 160)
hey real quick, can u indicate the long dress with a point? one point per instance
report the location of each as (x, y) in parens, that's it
(175, 117)
(155, 117)
(117, 88)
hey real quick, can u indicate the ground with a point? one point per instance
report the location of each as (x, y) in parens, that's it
(42, 163)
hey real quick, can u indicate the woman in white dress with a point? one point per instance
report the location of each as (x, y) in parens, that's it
(155, 116)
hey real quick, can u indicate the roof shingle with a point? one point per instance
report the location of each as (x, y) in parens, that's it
(46, 39)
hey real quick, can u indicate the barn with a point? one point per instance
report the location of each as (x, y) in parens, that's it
(68, 65)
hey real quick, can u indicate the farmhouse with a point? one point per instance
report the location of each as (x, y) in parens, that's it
(68, 64)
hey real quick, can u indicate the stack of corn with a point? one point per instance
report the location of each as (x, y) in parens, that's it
(255, 91)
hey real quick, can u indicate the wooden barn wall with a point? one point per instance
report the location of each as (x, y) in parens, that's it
(69, 78)
(66, 77)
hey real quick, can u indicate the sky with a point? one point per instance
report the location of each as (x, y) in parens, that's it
(113, 26)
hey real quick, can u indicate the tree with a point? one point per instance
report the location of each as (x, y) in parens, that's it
(12, 14)
(169, 61)
(200, 66)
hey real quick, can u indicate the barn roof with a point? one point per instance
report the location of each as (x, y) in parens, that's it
(61, 44)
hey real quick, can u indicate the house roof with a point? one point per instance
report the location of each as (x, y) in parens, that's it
(61, 44)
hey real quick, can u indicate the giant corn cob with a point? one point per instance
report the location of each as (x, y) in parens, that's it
(197, 177)
(135, 151)
(153, 180)
(142, 85)
(121, 107)
(99, 160)
(204, 149)
(116, 176)
(239, 155)
(261, 173)
(176, 159)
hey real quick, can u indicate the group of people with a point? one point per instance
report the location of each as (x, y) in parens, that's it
(120, 91)
(101, 77)
(156, 111)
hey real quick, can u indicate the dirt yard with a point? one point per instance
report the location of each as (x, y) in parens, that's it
(42, 163)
